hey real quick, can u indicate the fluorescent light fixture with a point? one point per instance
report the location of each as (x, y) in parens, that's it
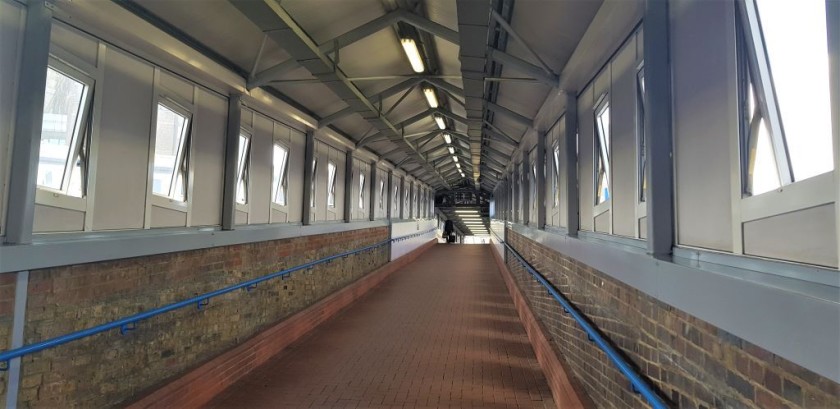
(413, 54)
(458, 165)
(467, 211)
(451, 150)
(447, 138)
(431, 97)
(440, 122)
(455, 158)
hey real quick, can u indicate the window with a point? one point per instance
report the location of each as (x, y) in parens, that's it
(280, 176)
(361, 190)
(242, 168)
(785, 109)
(62, 158)
(406, 207)
(556, 193)
(312, 184)
(381, 194)
(602, 153)
(534, 188)
(640, 121)
(396, 197)
(170, 162)
(331, 169)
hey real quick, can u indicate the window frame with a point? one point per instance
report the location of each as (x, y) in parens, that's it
(641, 138)
(313, 185)
(362, 182)
(556, 174)
(182, 157)
(81, 141)
(283, 180)
(243, 170)
(381, 193)
(332, 175)
(602, 153)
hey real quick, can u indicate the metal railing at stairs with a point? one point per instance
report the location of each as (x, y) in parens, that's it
(129, 323)
(638, 382)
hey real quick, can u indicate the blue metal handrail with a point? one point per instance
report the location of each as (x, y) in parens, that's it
(200, 301)
(637, 381)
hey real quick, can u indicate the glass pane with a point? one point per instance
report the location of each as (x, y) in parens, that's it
(62, 105)
(242, 171)
(534, 189)
(602, 157)
(331, 183)
(361, 191)
(641, 137)
(169, 138)
(795, 38)
(278, 180)
(765, 174)
(312, 184)
(556, 176)
(381, 194)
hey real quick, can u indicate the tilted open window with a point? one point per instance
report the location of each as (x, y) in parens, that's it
(243, 168)
(63, 153)
(361, 190)
(783, 93)
(381, 194)
(331, 169)
(312, 184)
(172, 133)
(556, 184)
(602, 152)
(280, 176)
(640, 136)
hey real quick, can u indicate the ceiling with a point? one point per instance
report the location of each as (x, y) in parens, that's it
(491, 63)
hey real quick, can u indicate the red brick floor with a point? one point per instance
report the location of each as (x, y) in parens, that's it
(440, 333)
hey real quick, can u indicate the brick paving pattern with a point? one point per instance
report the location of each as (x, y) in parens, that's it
(441, 333)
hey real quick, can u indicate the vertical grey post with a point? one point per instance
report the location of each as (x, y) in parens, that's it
(374, 188)
(231, 153)
(832, 15)
(28, 120)
(570, 166)
(540, 181)
(308, 158)
(660, 170)
(18, 321)
(348, 187)
(390, 195)
(526, 189)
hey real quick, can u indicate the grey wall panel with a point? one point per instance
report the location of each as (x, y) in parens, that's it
(55, 219)
(807, 236)
(623, 124)
(586, 133)
(602, 222)
(259, 193)
(122, 164)
(208, 159)
(81, 46)
(177, 87)
(163, 217)
(241, 217)
(279, 216)
(705, 108)
(11, 28)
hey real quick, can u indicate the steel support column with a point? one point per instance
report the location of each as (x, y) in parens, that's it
(570, 166)
(374, 184)
(348, 186)
(390, 195)
(231, 149)
(540, 181)
(28, 119)
(308, 158)
(659, 149)
(832, 11)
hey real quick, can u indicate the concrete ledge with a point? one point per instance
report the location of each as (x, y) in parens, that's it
(197, 387)
(564, 393)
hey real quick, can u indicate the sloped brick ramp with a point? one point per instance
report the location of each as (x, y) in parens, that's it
(441, 332)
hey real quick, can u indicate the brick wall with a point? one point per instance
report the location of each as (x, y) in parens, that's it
(693, 363)
(109, 369)
(7, 305)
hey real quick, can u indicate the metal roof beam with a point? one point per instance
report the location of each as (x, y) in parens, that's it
(522, 119)
(507, 27)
